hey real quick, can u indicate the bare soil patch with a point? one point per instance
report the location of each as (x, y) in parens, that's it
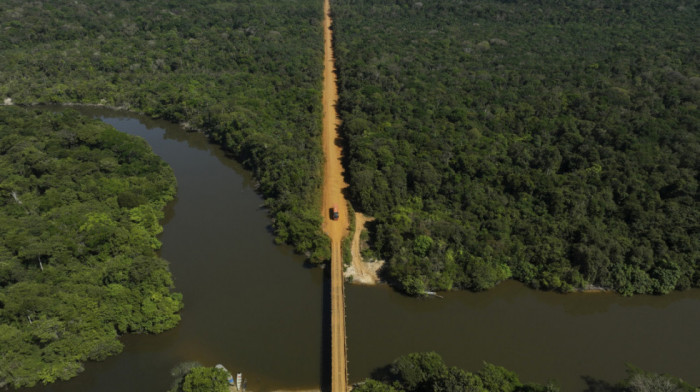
(360, 271)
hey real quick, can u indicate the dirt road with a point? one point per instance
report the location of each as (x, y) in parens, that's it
(333, 183)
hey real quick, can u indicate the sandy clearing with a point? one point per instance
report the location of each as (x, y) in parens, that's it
(360, 271)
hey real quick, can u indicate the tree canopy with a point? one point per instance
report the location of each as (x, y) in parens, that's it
(246, 72)
(554, 142)
(193, 377)
(80, 205)
(427, 372)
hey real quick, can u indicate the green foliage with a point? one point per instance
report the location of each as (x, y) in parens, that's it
(641, 381)
(205, 380)
(193, 377)
(76, 268)
(247, 73)
(346, 246)
(374, 386)
(498, 379)
(552, 142)
(426, 372)
(418, 371)
(421, 372)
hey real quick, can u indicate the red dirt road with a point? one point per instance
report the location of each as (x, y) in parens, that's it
(333, 183)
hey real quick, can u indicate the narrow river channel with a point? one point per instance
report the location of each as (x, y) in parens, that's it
(253, 306)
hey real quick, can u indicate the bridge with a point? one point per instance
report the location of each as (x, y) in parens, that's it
(339, 372)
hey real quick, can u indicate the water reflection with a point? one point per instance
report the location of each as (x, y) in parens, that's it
(540, 335)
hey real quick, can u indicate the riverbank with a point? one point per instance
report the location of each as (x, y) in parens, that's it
(123, 203)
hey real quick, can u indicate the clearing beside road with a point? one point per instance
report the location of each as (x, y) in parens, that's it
(361, 271)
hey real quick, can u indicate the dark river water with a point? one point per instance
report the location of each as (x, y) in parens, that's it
(254, 307)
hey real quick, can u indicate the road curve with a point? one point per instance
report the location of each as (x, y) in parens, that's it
(333, 184)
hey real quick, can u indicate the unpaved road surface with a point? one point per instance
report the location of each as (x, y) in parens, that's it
(333, 184)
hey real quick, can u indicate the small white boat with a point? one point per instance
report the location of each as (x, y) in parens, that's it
(239, 379)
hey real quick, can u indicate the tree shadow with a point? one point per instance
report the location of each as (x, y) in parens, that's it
(169, 212)
(326, 354)
(341, 142)
(596, 385)
(383, 374)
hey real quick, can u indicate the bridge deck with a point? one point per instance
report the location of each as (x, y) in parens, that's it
(338, 345)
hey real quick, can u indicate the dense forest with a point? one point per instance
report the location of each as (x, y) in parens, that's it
(246, 72)
(80, 205)
(554, 142)
(426, 372)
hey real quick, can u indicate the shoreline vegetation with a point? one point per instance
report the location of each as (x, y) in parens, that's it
(79, 215)
(194, 377)
(246, 74)
(428, 372)
(553, 143)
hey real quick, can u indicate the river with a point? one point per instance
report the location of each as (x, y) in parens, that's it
(254, 307)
